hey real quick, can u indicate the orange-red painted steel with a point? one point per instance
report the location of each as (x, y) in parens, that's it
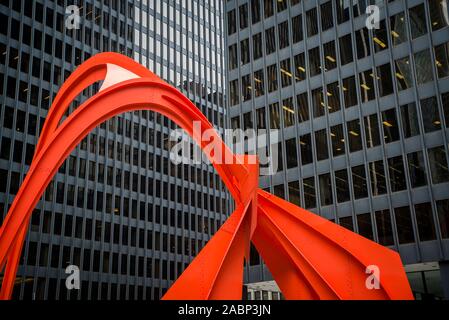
(308, 256)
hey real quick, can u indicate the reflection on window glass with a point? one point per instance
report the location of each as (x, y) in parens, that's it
(246, 87)
(380, 37)
(349, 92)
(397, 174)
(438, 164)
(281, 5)
(327, 20)
(430, 114)
(312, 22)
(283, 35)
(303, 107)
(261, 120)
(342, 186)
(365, 225)
(321, 145)
(244, 51)
(443, 217)
(330, 56)
(439, 14)
(270, 40)
(384, 230)
(354, 135)
(398, 29)
(404, 227)
(442, 59)
(425, 221)
(366, 85)
(233, 57)
(300, 67)
(338, 140)
(293, 193)
(289, 112)
(390, 125)
(279, 191)
(232, 26)
(362, 43)
(333, 97)
(257, 46)
(234, 92)
(445, 101)
(342, 9)
(372, 131)
(423, 67)
(377, 177)
(318, 102)
(309, 192)
(314, 61)
(272, 76)
(255, 11)
(418, 23)
(275, 118)
(409, 116)
(243, 16)
(259, 89)
(325, 189)
(306, 149)
(359, 183)
(416, 169)
(346, 49)
(347, 222)
(286, 73)
(297, 31)
(403, 73)
(268, 8)
(290, 149)
(384, 81)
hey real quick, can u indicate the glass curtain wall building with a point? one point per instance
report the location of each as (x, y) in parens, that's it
(364, 116)
(118, 208)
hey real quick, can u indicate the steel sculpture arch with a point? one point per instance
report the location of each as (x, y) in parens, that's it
(309, 256)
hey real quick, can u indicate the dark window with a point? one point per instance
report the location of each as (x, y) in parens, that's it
(275, 117)
(243, 16)
(349, 92)
(293, 193)
(443, 217)
(300, 67)
(312, 22)
(397, 174)
(404, 225)
(232, 26)
(409, 117)
(422, 66)
(297, 30)
(362, 43)
(438, 164)
(259, 81)
(325, 189)
(430, 114)
(354, 135)
(234, 92)
(233, 57)
(303, 107)
(314, 61)
(290, 148)
(403, 73)
(268, 8)
(270, 40)
(306, 149)
(283, 35)
(286, 73)
(281, 5)
(418, 23)
(390, 126)
(372, 131)
(257, 46)
(425, 222)
(289, 112)
(416, 169)
(342, 185)
(309, 193)
(380, 37)
(330, 56)
(338, 140)
(359, 182)
(255, 11)
(342, 7)
(384, 81)
(244, 51)
(318, 103)
(365, 225)
(384, 230)
(327, 20)
(398, 26)
(272, 78)
(246, 87)
(377, 177)
(366, 85)
(321, 145)
(445, 100)
(346, 55)
(442, 59)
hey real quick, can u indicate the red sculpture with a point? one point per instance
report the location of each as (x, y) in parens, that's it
(308, 256)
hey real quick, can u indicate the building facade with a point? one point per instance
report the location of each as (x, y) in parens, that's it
(118, 209)
(363, 114)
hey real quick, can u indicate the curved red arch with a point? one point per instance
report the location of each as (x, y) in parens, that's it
(295, 244)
